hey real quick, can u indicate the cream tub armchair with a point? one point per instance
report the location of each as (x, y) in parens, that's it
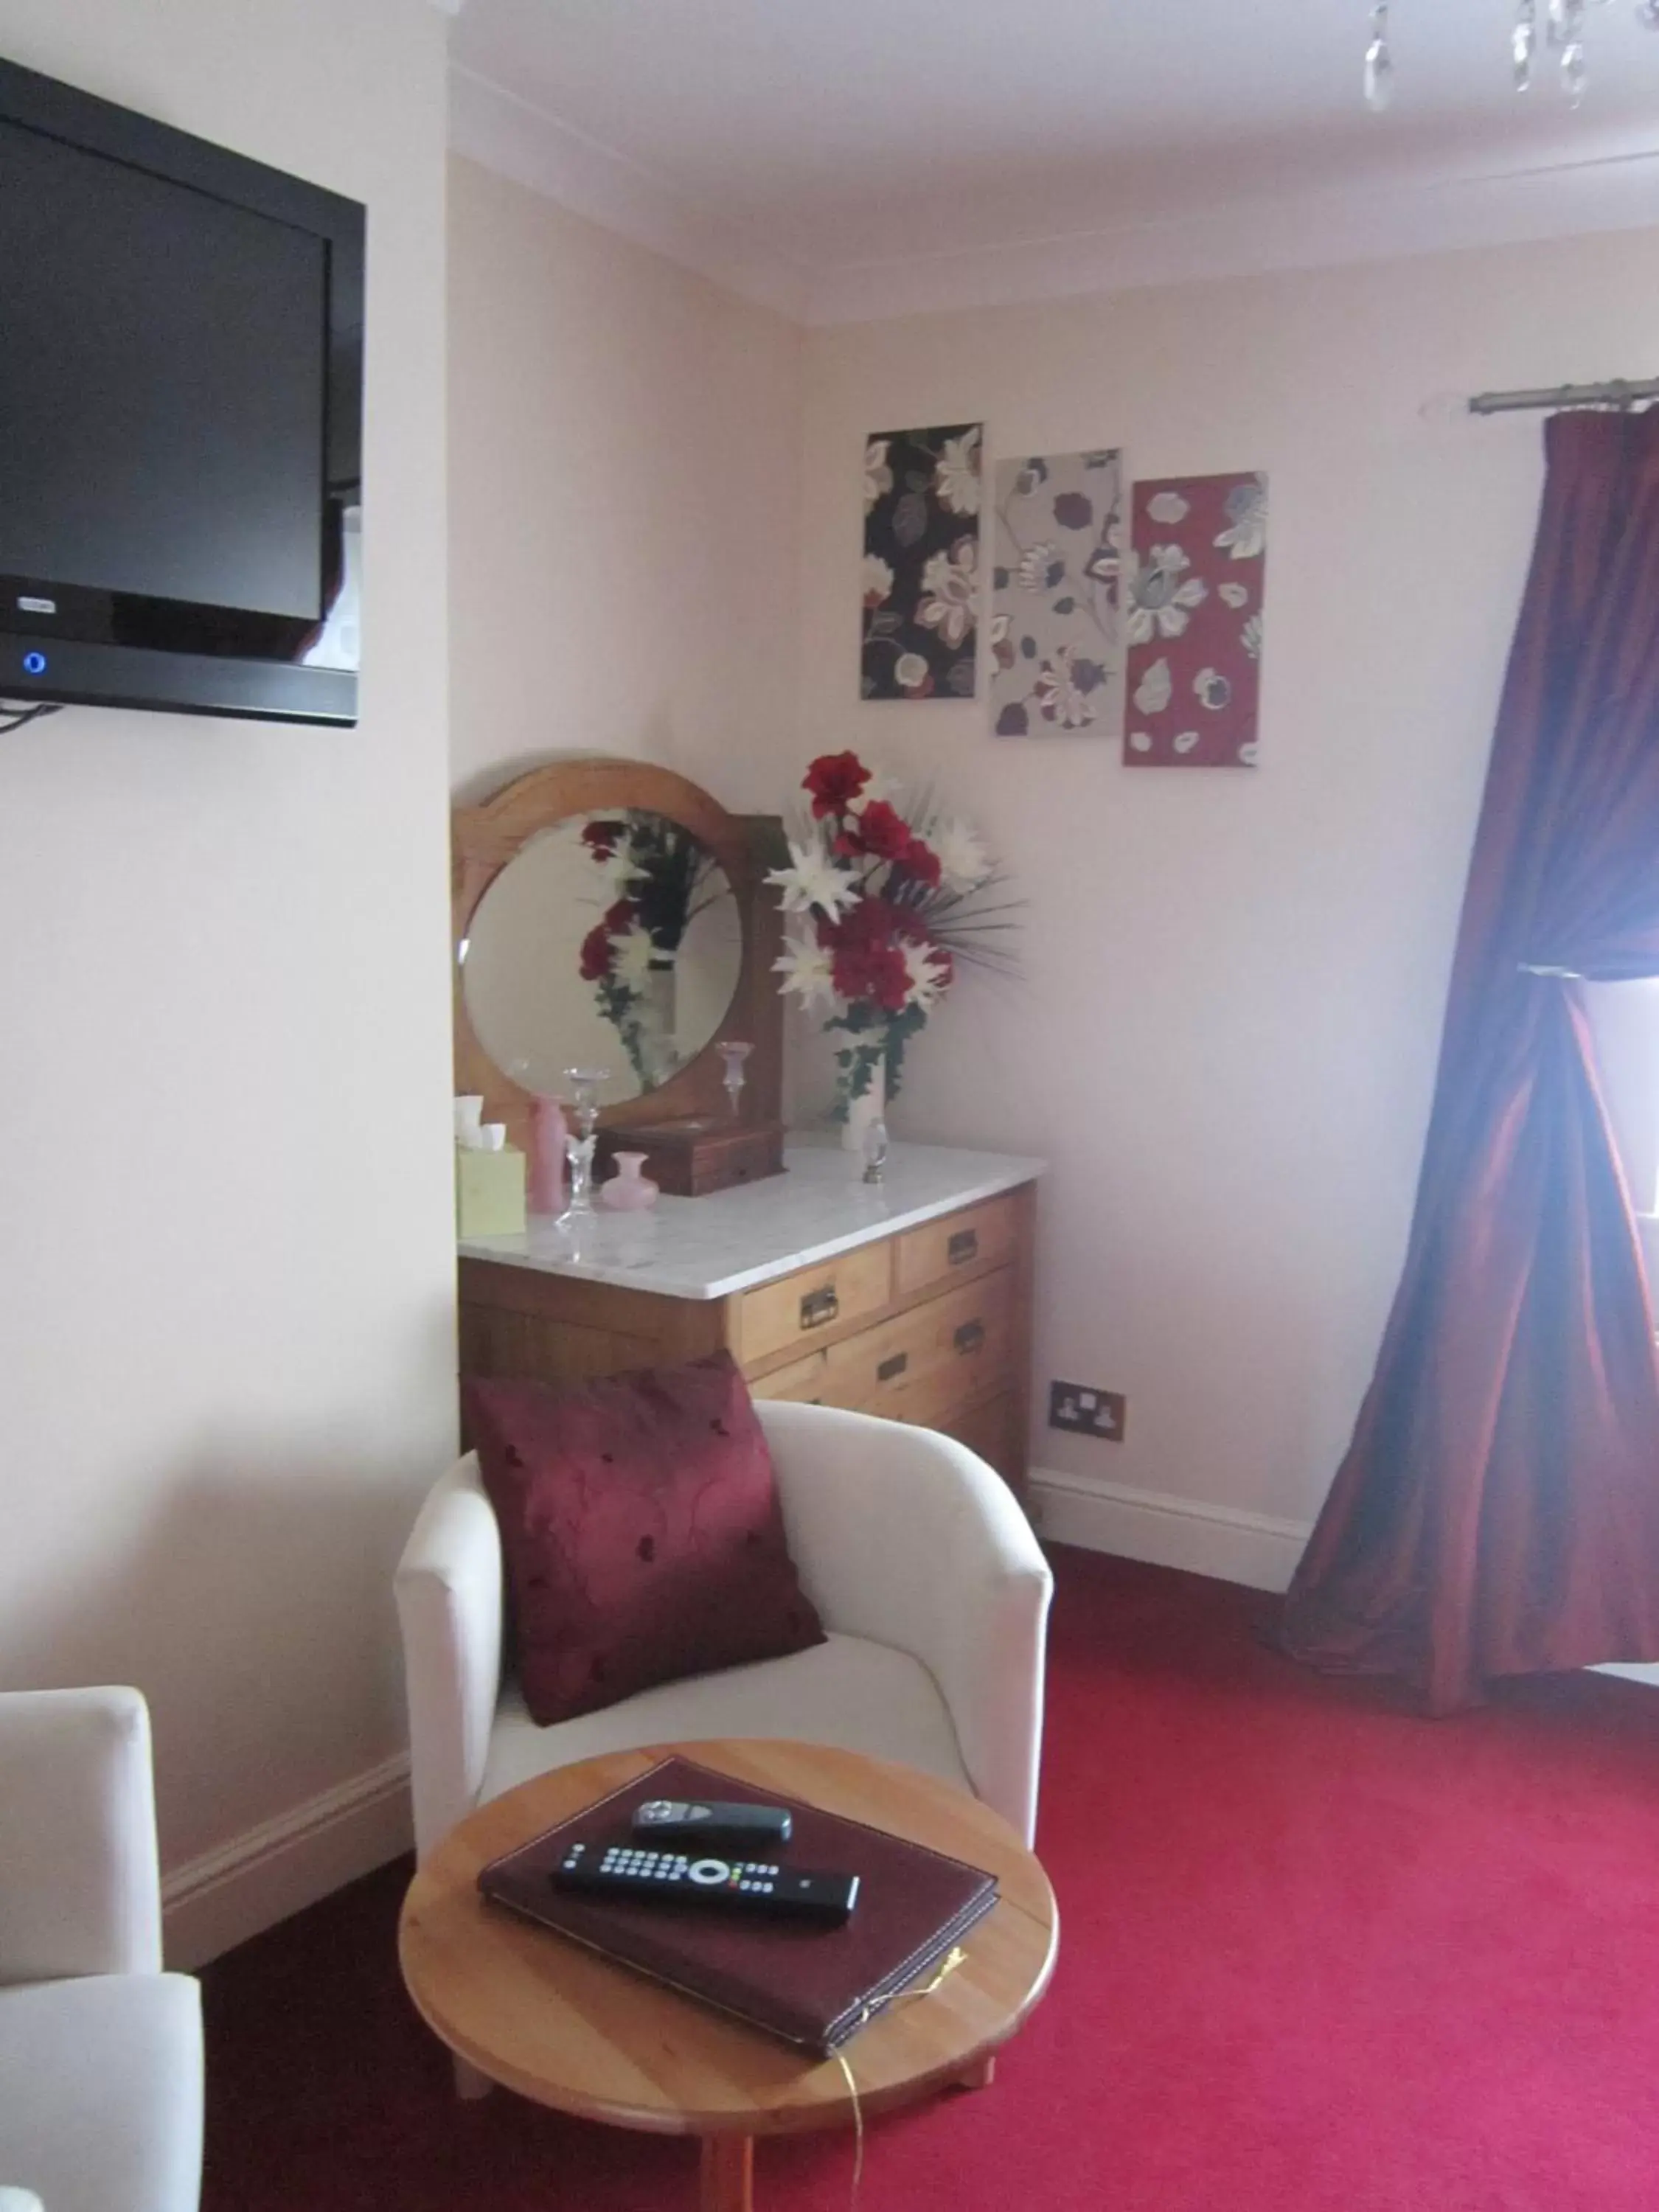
(100, 2052)
(931, 1586)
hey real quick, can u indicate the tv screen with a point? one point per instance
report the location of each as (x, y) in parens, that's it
(180, 396)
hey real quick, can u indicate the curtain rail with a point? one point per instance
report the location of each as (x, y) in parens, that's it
(1619, 393)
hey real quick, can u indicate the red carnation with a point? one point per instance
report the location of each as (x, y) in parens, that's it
(619, 917)
(921, 861)
(871, 921)
(835, 780)
(874, 971)
(596, 954)
(882, 831)
(601, 838)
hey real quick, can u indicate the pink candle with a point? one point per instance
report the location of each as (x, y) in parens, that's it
(547, 1133)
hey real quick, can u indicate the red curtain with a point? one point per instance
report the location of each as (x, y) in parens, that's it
(1498, 1512)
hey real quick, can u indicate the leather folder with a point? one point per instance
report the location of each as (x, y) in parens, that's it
(809, 1985)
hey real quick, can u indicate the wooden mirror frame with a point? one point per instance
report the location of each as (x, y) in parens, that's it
(485, 838)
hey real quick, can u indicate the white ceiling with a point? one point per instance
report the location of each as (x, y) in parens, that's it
(852, 157)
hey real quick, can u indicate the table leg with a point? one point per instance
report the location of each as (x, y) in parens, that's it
(728, 2173)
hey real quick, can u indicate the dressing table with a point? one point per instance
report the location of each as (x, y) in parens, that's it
(910, 1299)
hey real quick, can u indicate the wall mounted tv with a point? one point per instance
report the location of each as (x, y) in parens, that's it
(181, 361)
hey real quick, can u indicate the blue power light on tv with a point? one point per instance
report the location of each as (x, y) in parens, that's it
(35, 663)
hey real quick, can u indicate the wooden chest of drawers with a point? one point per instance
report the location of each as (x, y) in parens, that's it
(929, 1324)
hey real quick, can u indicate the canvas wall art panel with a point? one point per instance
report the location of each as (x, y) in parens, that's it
(920, 590)
(1057, 629)
(1193, 621)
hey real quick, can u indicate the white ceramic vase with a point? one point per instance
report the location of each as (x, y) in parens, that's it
(861, 1112)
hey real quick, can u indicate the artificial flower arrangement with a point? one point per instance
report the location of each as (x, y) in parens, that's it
(658, 877)
(883, 905)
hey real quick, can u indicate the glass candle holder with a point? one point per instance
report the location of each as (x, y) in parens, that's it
(733, 1057)
(579, 1144)
(874, 1149)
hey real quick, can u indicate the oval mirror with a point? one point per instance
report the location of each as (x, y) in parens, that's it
(612, 940)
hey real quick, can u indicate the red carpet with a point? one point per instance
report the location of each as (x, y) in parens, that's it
(1315, 1956)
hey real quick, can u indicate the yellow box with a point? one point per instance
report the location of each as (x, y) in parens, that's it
(489, 1190)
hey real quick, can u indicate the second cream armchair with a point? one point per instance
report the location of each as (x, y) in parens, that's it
(931, 1586)
(100, 2052)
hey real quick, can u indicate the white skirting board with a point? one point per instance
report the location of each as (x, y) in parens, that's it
(1234, 1546)
(218, 1900)
(1253, 1548)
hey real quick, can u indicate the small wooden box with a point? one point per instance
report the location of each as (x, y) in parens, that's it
(698, 1153)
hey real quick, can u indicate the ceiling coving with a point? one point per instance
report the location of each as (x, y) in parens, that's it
(881, 156)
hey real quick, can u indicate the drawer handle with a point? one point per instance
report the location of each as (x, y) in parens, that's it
(963, 1248)
(971, 1336)
(819, 1307)
(889, 1369)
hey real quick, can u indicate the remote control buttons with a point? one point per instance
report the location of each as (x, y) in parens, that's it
(706, 1873)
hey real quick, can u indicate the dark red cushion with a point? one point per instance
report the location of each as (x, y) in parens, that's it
(640, 1524)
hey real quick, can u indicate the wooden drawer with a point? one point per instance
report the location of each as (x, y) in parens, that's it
(803, 1380)
(920, 1366)
(987, 1428)
(778, 1315)
(978, 1237)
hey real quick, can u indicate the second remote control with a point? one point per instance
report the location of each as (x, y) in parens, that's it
(672, 1819)
(622, 1870)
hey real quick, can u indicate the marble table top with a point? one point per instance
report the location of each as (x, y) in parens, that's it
(706, 1247)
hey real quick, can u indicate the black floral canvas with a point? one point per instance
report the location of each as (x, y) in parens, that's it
(921, 503)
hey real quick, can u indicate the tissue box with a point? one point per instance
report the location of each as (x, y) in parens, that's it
(489, 1193)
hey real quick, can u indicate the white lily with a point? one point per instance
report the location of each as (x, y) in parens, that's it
(631, 960)
(881, 785)
(805, 969)
(620, 869)
(930, 976)
(963, 862)
(812, 879)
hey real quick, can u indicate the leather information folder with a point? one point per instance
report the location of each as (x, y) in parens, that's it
(812, 1986)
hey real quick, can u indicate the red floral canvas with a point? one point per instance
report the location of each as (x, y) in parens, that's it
(1193, 622)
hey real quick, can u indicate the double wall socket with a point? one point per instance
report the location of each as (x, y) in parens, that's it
(1083, 1410)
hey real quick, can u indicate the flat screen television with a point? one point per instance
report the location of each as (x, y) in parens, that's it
(182, 365)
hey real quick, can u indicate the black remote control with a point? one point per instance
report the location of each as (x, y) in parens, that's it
(624, 1870)
(667, 1819)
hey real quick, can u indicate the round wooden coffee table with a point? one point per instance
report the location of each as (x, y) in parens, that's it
(570, 2029)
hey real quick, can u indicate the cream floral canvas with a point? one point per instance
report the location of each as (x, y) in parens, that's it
(1057, 645)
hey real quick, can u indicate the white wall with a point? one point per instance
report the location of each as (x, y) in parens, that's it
(624, 463)
(1225, 1040)
(226, 1325)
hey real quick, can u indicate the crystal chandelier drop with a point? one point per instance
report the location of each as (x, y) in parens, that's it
(1547, 34)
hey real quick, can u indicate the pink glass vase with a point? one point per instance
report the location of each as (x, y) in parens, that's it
(628, 1190)
(545, 1194)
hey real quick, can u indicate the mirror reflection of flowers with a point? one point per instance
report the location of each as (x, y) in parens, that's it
(658, 878)
(884, 904)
